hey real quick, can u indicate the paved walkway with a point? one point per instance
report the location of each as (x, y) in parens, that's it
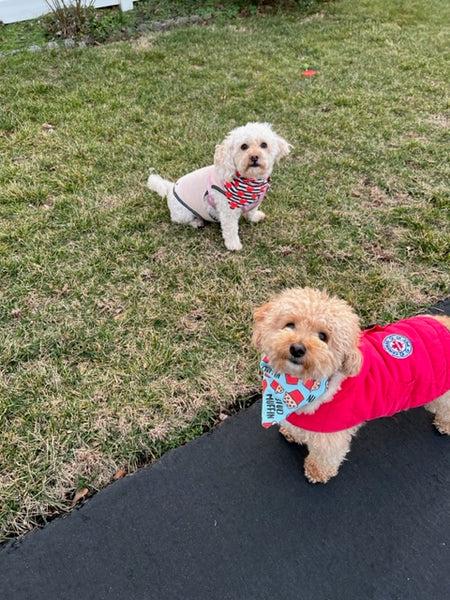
(230, 516)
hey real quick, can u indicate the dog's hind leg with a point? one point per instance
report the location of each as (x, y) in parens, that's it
(182, 215)
(178, 213)
(441, 409)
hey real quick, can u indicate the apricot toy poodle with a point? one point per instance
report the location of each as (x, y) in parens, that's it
(324, 377)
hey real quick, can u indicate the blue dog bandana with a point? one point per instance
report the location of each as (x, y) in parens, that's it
(284, 394)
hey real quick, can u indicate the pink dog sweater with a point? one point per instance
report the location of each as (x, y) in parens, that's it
(194, 192)
(405, 365)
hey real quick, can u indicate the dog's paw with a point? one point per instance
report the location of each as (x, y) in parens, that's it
(289, 437)
(197, 223)
(233, 245)
(318, 474)
(442, 426)
(257, 216)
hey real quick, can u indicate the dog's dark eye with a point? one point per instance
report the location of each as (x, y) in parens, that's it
(263, 145)
(290, 326)
(322, 336)
(244, 147)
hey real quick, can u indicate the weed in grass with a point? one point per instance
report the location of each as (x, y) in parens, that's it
(68, 18)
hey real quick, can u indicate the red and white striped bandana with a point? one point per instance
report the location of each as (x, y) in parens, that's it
(242, 192)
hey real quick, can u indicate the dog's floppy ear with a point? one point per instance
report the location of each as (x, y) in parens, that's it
(348, 326)
(259, 317)
(223, 160)
(352, 363)
(284, 147)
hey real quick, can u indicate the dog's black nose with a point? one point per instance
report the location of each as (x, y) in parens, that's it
(297, 350)
(254, 159)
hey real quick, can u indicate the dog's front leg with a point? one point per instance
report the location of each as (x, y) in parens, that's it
(326, 454)
(229, 223)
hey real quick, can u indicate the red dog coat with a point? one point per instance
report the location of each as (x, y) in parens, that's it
(404, 365)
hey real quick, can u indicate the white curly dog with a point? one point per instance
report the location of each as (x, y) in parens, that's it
(234, 185)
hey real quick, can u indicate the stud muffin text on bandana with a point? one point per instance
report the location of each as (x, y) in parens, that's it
(283, 394)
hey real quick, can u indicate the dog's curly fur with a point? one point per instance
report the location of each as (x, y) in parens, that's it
(252, 150)
(300, 316)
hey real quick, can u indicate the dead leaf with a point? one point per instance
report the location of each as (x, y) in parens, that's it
(80, 495)
(119, 474)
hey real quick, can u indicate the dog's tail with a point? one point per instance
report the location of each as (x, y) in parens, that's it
(161, 186)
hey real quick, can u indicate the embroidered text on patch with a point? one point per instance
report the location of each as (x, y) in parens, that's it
(398, 346)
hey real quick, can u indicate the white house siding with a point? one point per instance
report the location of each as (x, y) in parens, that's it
(12, 11)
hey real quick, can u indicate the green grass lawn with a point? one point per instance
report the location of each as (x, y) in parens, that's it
(124, 335)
